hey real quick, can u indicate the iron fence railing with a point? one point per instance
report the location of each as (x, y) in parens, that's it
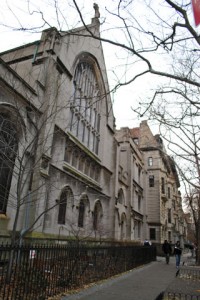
(179, 296)
(39, 272)
(190, 273)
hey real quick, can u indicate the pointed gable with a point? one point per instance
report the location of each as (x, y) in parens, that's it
(146, 137)
(143, 136)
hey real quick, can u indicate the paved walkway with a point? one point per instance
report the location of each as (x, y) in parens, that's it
(143, 283)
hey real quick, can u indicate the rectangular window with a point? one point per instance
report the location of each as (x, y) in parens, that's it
(97, 173)
(139, 229)
(174, 204)
(96, 143)
(139, 173)
(81, 164)
(68, 154)
(74, 124)
(91, 140)
(80, 130)
(98, 122)
(139, 202)
(169, 215)
(75, 159)
(92, 170)
(162, 185)
(152, 234)
(93, 118)
(150, 161)
(151, 180)
(86, 134)
(87, 167)
(169, 193)
(169, 236)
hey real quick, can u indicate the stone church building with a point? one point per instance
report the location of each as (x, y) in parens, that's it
(65, 171)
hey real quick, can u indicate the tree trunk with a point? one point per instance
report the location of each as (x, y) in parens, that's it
(198, 242)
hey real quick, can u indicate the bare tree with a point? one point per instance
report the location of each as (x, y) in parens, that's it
(148, 37)
(158, 43)
(33, 134)
(192, 203)
(23, 156)
(179, 128)
(152, 40)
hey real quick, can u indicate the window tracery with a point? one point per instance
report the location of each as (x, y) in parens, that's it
(8, 152)
(85, 116)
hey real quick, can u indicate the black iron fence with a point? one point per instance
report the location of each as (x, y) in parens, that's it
(39, 272)
(179, 296)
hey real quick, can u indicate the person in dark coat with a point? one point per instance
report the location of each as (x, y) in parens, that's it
(177, 253)
(167, 249)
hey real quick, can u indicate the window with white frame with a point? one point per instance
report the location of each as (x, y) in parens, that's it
(150, 161)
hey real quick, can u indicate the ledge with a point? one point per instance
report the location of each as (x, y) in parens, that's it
(79, 174)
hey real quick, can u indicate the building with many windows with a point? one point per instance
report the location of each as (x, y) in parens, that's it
(164, 213)
(130, 205)
(55, 101)
(65, 171)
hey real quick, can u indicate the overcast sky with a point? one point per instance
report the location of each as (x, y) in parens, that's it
(30, 15)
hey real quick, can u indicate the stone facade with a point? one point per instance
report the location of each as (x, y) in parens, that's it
(130, 207)
(164, 213)
(65, 169)
(70, 151)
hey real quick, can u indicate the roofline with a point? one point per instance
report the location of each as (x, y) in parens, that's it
(20, 47)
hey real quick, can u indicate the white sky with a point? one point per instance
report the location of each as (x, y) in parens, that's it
(30, 14)
(15, 14)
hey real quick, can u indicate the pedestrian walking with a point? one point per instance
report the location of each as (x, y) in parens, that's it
(177, 253)
(167, 249)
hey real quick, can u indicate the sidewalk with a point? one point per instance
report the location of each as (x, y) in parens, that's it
(143, 283)
(186, 285)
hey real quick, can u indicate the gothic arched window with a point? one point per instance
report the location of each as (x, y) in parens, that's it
(85, 106)
(8, 152)
(81, 214)
(123, 226)
(121, 197)
(65, 204)
(97, 215)
(62, 207)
